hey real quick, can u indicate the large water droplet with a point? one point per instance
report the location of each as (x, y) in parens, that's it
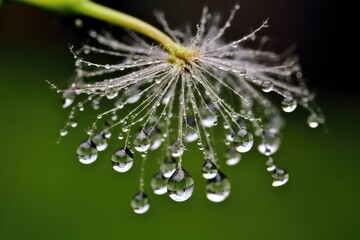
(218, 188)
(68, 97)
(168, 167)
(122, 160)
(267, 86)
(158, 183)
(100, 141)
(208, 117)
(142, 142)
(289, 104)
(280, 177)
(209, 170)
(87, 152)
(232, 157)
(140, 203)
(180, 185)
(243, 140)
(209, 121)
(177, 149)
(270, 143)
(313, 120)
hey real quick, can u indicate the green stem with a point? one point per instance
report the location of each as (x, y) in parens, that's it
(97, 11)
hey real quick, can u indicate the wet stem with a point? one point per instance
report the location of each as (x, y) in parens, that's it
(100, 12)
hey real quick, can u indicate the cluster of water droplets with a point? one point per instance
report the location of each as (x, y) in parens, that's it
(153, 105)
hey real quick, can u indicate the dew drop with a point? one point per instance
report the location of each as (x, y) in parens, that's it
(122, 160)
(280, 177)
(270, 165)
(107, 66)
(235, 44)
(168, 167)
(78, 23)
(177, 149)
(180, 185)
(218, 188)
(209, 170)
(270, 143)
(100, 141)
(158, 183)
(142, 142)
(112, 94)
(73, 123)
(232, 157)
(68, 97)
(243, 140)
(63, 132)
(313, 120)
(87, 152)
(267, 86)
(140, 203)
(209, 121)
(288, 104)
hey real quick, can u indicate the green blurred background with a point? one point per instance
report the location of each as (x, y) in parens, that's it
(45, 193)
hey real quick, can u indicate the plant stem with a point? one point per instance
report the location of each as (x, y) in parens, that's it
(97, 11)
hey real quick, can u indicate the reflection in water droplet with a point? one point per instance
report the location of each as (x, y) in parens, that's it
(68, 97)
(209, 170)
(270, 143)
(313, 120)
(111, 94)
(243, 140)
(142, 142)
(100, 141)
(158, 183)
(87, 152)
(168, 167)
(63, 132)
(270, 165)
(122, 160)
(288, 104)
(140, 203)
(180, 185)
(267, 86)
(191, 134)
(218, 188)
(232, 157)
(280, 177)
(177, 149)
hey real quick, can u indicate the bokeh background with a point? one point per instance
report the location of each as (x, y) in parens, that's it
(45, 193)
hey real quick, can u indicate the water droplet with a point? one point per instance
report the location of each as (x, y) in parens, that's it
(191, 134)
(168, 167)
(63, 132)
(121, 136)
(267, 86)
(87, 152)
(177, 149)
(111, 94)
(158, 183)
(180, 185)
(100, 141)
(209, 170)
(232, 157)
(142, 142)
(140, 203)
(73, 123)
(209, 121)
(313, 120)
(107, 66)
(68, 97)
(288, 104)
(270, 143)
(122, 160)
(280, 177)
(218, 188)
(270, 165)
(235, 44)
(243, 140)
(78, 23)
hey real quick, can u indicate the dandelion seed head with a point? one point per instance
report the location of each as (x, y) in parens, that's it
(162, 102)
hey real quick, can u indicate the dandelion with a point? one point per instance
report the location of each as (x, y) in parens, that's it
(192, 89)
